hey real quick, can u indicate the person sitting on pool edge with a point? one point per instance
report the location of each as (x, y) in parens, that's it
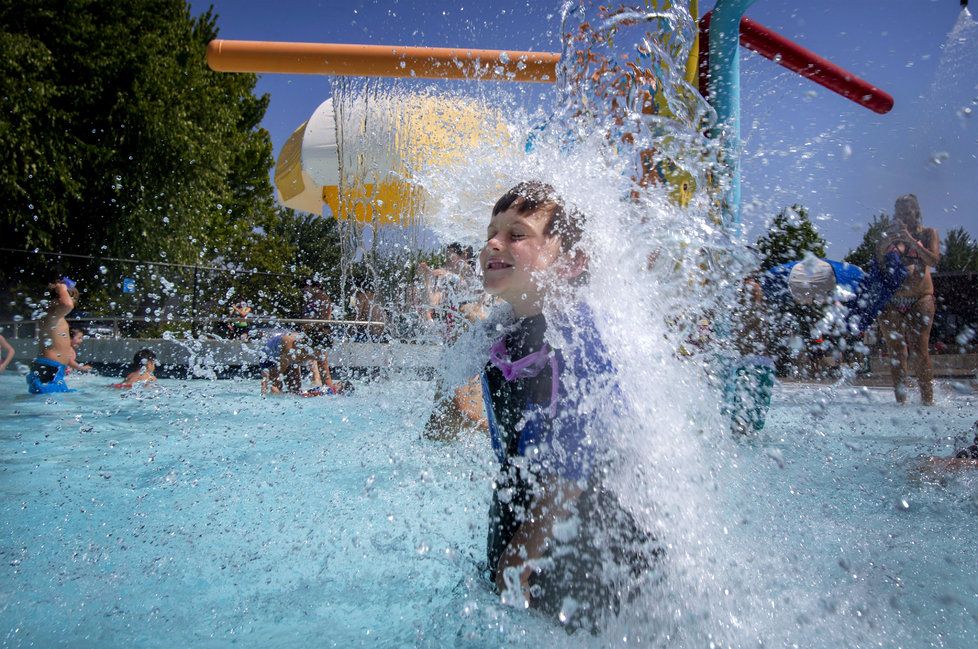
(549, 468)
(47, 373)
(281, 366)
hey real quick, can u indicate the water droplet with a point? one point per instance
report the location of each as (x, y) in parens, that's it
(939, 157)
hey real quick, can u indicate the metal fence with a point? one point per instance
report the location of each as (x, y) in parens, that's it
(115, 326)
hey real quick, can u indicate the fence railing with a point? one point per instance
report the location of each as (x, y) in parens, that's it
(113, 322)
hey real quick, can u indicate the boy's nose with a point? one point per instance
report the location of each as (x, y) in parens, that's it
(493, 243)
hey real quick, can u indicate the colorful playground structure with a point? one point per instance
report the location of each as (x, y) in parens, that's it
(307, 173)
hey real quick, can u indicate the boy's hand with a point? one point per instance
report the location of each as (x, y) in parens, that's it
(522, 589)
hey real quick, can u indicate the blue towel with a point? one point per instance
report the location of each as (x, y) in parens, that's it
(871, 291)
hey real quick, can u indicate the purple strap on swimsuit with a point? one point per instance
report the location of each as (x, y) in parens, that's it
(527, 367)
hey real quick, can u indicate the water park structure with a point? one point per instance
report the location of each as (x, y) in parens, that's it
(713, 66)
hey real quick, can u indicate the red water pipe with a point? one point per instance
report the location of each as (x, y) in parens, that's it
(771, 45)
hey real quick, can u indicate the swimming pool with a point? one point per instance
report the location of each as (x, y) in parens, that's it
(199, 514)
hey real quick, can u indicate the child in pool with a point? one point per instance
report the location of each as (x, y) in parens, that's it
(47, 374)
(966, 458)
(142, 368)
(548, 451)
(76, 337)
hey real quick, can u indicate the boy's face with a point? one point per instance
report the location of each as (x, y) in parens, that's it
(516, 253)
(76, 339)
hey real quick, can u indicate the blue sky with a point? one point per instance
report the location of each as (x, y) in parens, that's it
(803, 144)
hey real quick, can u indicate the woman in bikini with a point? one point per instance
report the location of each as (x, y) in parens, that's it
(906, 321)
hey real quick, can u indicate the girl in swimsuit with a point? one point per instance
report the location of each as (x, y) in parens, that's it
(907, 319)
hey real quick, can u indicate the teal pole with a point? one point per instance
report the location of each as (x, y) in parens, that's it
(724, 96)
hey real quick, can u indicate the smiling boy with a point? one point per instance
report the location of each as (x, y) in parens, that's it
(544, 547)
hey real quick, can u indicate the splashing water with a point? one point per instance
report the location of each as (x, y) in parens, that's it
(656, 267)
(738, 570)
(948, 138)
(607, 150)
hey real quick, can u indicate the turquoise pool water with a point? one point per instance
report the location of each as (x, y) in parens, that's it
(199, 514)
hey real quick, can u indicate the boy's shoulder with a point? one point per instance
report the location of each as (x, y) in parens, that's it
(574, 332)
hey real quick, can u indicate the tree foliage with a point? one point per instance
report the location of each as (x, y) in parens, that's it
(790, 235)
(864, 253)
(120, 141)
(960, 254)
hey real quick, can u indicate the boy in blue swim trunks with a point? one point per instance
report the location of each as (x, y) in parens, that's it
(550, 454)
(47, 373)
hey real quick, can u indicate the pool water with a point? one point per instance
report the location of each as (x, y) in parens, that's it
(199, 514)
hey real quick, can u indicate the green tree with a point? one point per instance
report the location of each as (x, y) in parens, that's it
(960, 253)
(119, 140)
(864, 253)
(790, 235)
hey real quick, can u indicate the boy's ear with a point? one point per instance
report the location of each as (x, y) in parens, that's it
(573, 264)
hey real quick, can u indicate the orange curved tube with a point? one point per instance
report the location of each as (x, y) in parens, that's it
(381, 61)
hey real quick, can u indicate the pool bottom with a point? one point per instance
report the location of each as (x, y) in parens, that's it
(199, 514)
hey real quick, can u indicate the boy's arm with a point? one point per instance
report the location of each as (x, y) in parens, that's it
(324, 371)
(75, 365)
(532, 538)
(63, 304)
(8, 353)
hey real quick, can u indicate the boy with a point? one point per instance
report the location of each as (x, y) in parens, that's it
(47, 373)
(549, 471)
(76, 337)
(142, 368)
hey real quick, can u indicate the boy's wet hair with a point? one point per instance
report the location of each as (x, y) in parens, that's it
(74, 331)
(142, 358)
(536, 196)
